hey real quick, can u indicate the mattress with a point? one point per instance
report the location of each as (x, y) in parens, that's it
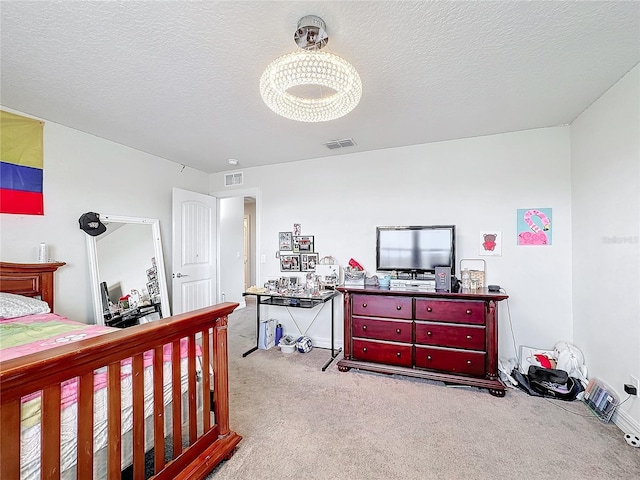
(24, 335)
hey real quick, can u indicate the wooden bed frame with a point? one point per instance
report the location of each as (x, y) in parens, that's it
(45, 371)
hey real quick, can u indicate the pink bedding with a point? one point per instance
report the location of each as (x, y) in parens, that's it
(35, 333)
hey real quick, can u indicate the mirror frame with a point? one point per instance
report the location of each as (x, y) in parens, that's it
(95, 274)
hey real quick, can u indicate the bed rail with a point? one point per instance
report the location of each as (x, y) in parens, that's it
(46, 371)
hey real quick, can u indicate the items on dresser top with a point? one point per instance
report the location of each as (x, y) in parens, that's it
(450, 337)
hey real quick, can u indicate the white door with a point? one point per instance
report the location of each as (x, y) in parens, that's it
(194, 251)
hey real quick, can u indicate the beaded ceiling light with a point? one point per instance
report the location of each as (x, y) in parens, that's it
(330, 84)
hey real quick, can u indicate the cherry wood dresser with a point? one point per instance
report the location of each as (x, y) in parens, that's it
(449, 337)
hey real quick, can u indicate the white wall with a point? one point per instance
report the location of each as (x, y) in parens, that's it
(86, 173)
(476, 184)
(605, 144)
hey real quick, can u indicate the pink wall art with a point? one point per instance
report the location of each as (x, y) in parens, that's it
(534, 226)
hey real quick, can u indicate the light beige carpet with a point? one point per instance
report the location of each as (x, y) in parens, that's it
(299, 422)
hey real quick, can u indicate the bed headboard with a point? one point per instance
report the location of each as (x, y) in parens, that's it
(29, 279)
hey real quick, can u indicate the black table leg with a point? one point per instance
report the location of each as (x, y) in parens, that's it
(253, 349)
(334, 352)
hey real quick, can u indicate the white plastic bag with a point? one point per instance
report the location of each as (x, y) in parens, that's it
(267, 334)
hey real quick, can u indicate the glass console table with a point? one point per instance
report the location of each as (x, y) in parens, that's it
(296, 301)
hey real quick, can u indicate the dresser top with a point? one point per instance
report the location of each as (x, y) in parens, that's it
(480, 294)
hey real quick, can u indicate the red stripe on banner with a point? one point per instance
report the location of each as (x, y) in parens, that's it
(16, 201)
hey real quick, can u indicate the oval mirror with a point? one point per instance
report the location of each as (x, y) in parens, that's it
(126, 264)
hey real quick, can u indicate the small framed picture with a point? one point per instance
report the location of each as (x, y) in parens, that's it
(152, 274)
(302, 244)
(153, 288)
(308, 262)
(271, 285)
(284, 241)
(289, 263)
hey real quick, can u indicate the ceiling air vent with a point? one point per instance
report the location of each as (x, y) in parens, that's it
(231, 179)
(345, 142)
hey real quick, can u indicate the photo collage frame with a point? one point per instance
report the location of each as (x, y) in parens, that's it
(297, 252)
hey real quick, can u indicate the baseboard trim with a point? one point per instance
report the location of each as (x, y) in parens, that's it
(325, 343)
(625, 422)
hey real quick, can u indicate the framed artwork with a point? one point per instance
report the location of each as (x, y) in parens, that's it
(490, 243)
(284, 241)
(308, 262)
(297, 229)
(152, 274)
(153, 288)
(302, 244)
(289, 263)
(534, 226)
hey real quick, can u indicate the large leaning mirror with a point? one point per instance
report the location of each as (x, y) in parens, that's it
(128, 280)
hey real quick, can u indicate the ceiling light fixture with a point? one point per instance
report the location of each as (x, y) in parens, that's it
(338, 85)
(233, 161)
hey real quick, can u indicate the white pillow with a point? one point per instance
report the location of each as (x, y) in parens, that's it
(12, 306)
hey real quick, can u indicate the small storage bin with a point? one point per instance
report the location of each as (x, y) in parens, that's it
(287, 344)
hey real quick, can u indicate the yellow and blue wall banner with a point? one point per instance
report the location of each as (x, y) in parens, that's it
(21, 165)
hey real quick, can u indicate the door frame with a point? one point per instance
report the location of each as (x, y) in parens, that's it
(246, 192)
(247, 249)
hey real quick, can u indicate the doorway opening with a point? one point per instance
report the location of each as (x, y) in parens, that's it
(238, 240)
(250, 254)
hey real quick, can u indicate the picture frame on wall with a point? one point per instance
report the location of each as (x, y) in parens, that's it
(289, 263)
(308, 262)
(284, 241)
(303, 244)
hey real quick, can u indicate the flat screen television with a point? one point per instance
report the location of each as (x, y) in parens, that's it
(416, 250)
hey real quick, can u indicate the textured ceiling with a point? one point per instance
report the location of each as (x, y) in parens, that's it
(180, 79)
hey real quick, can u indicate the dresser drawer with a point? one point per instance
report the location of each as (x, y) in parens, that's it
(450, 311)
(449, 360)
(456, 336)
(382, 306)
(379, 352)
(393, 330)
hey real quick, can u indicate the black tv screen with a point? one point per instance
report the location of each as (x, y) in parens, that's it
(417, 249)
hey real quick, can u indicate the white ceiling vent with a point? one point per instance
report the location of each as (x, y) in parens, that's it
(231, 179)
(345, 142)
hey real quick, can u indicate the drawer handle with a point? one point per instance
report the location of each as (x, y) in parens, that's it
(364, 305)
(468, 362)
(399, 307)
(468, 312)
(468, 337)
(429, 309)
(364, 327)
(429, 357)
(398, 331)
(364, 349)
(429, 334)
(398, 354)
